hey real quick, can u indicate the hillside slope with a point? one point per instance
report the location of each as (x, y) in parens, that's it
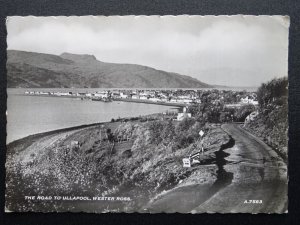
(29, 69)
(42, 165)
(270, 121)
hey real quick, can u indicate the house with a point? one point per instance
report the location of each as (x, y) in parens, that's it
(182, 116)
(115, 94)
(154, 99)
(187, 101)
(144, 98)
(135, 97)
(249, 100)
(122, 95)
(101, 95)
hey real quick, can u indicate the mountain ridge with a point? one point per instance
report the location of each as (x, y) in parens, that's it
(31, 69)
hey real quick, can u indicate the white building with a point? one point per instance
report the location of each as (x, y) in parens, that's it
(101, 95)
(122, 95)
(182, 116)
(144, 98)
(154, 99)
(188, 101)
(248, 100)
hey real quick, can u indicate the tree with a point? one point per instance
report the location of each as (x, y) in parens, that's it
(243, 112)
(168, 131)
(223, 117)
(272, 90)
(184, 125)
(155, 128)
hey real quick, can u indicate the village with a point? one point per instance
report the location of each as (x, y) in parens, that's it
(176, 97)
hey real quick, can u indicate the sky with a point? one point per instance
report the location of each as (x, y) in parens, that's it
(224, 50)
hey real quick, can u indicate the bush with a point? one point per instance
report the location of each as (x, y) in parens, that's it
(242, 112)
(272, 90)
(184, 125)
(155, 128)
(168, 132)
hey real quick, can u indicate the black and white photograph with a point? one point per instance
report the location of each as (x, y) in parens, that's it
(147, 114)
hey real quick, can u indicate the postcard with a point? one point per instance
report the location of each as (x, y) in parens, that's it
(147, 114)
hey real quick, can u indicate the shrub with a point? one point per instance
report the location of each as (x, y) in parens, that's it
(242, 112)
(268, 92)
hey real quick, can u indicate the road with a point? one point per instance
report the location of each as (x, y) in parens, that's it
(252, 171)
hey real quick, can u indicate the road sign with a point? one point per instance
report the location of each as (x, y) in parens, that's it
(186, 162)
(201, 133)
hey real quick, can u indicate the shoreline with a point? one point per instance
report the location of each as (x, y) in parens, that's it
(114, 99)
(51, 132)
(151, 102)
(83, 125)
(66, 129)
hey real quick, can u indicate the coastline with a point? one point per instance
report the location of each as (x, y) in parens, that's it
(72, 128)
(151, 102)
(56, 131)
(68, 113)
(113, 99)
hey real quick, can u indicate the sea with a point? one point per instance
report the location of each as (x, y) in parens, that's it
(27, 115)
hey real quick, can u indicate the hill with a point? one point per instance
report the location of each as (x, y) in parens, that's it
(30, 69)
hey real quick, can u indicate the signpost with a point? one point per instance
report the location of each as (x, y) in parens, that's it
(186, 162)
(195, 158)
(201, 133)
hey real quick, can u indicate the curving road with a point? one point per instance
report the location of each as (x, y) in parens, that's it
(252, 171)
(259, 174)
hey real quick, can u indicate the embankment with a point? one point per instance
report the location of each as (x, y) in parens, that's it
(271, 126)
(46, 166)
(203, 182)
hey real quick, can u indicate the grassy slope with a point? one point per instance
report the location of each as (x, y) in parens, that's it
(92, 170)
